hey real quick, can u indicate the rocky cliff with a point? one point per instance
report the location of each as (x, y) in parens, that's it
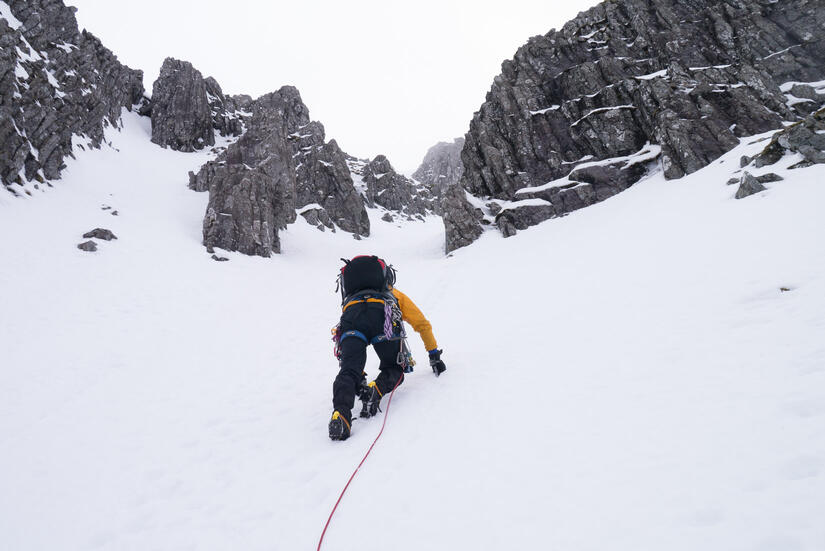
(187, 109)
(281, 163)
(60, 88)
(386, 188)
(441, 166)
(581, 113)
(181, 114)
(56, 83)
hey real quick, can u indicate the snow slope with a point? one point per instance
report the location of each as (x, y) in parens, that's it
(629, 377)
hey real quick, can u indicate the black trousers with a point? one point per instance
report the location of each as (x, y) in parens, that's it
(368, 318)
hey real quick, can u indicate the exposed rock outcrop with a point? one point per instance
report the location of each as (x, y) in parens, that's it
(280, 164)
(690, 77)
(248, 205)
(56, 82)
(587, 184)
(748, 185)
(323, 178)
(441, 166)
(806, 137)
(396, 192)
(181, 113)
(229, 113)
(465, 219)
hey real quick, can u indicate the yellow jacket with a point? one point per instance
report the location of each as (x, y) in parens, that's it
(412, 315)
(409, 313)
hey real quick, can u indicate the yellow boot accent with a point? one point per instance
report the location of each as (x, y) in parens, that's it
(375, 386)
(337, 415)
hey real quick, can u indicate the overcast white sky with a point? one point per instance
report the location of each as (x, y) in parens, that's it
(382, 76)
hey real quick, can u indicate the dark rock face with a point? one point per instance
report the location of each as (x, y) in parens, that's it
(393, 191)
(587, 184)
(55, 82)
(88, 246)
(280, 164)
(465, 219)
(181, 113)
(229, 113)
(247, 206)
(690, 77)
(441, 166)
(323, 178)
(807, 137)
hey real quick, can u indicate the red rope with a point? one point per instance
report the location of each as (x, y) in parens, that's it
(386, 414)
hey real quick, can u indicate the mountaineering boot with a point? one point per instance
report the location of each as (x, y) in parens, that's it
(339, 426)
(371, 397)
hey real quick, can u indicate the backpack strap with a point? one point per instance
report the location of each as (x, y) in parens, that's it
(362, 300)
(368, 295)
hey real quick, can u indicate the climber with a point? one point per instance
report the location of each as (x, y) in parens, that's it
(373, 312)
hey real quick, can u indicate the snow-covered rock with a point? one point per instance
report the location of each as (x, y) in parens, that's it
(60, 88)
(393, 191)
(691, 77)
(281, 163)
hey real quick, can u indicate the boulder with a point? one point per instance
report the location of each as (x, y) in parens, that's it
(318, 218)
(522, 216)
(748, 185)
(100, 233)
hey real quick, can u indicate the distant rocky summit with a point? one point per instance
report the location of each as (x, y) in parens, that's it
(187, 109)
(441, 166)
(181, 114)
(56, 83)
(582, 113)
(393, 191)
(282, 166)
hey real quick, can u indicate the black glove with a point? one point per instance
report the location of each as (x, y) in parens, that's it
(436, 363)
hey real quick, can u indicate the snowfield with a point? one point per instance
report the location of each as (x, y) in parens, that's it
(629, 377)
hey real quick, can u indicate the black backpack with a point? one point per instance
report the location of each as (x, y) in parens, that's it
(365, 274)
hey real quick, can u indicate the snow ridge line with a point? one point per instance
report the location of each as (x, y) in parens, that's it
(340, 497)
